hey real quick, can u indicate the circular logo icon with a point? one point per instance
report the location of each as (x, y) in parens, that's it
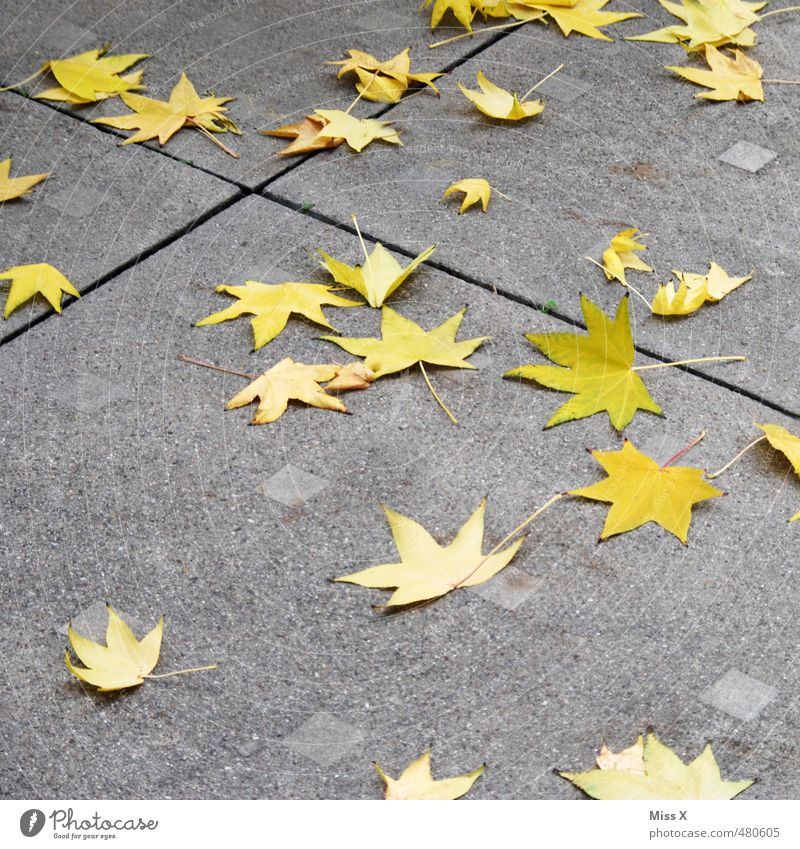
(31, 822)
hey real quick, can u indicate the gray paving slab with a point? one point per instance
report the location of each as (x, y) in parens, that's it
(268, 55)
(102, 207)
(154, 499)
(634, 148)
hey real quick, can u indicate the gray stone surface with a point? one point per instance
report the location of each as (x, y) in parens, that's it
(268, 55)
(636, 149)
(153, 502)
(101, 207)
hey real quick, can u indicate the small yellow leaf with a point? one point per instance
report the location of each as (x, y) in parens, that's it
(665, 777)
(15, 187)
(788, 444)
(351, 376)
(476, 190)
(39, 278)
(428, 570)
(695, 290)
(597, 369)
(357, 132)
(416, 782)
(737, 78)
(162, 119)
(306, 135)
(271, 304)
(684, 301)
(404, 344)
(123, 662)
(496, 102)
(621, 254)
(461, 9)
(285, 381)
(641, 491)
(379, 276)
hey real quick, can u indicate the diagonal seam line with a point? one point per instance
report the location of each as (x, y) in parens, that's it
(523, 301)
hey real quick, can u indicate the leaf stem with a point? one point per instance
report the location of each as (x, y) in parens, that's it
(687, 362)
(508, 537)
(213, 138)
(542, 80)
(684, 450)
(183, 671)
(441, 403)
(472, 32)
(779, 11)
(184, 359)
(361, 93)
(782, 82)
(736, 458)
(26, 80)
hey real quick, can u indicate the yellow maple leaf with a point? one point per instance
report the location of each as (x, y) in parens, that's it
(428, 570)
(357, 132)
(498, 103)
(695, 290)
(621, 254)
(788, 444)
(462, 11)
(162, 119)
(597, 368)
(476, 190)
(583, 16)
(285, 381)
(404, 344)
(385, 82)
(379, 276)
(641, 491)
(271, 304)
(715, 22)
(123, 661)
(665, 777)
(306, 137)
(15, 187)
(417, 782)
(38, 278)
(89, 77)
(737, 78)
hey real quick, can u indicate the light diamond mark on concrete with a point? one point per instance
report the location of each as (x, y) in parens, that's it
(748, 156)
(91, 622)
(563, 87)
(87, 393)
(739, 695)
(77, 201)
(508, 589)
(324, 738)
(292, 486)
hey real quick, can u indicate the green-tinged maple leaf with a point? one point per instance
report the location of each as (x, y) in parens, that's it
(39, 278)
(159, 119)
(666, 777)
(597, 369)
(404, 344)
(271, 304)
(428, 570)
(379, 276)
(641, 491)
(15, 187)
(416, 782)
